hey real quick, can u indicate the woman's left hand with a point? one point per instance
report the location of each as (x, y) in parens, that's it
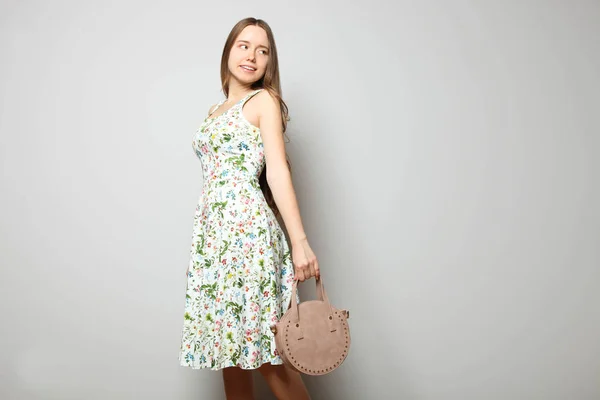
(305, 262)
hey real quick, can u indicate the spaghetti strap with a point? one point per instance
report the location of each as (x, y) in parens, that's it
(248, 97)
(240, 103)
(216, 106)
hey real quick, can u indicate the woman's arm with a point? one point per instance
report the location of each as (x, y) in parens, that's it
(280, 182)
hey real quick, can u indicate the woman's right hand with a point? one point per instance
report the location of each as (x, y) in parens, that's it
(305, 262)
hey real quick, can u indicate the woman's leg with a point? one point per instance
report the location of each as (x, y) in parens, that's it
(285, 383)
(238, 384)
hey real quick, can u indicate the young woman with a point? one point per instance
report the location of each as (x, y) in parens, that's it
(242, 268)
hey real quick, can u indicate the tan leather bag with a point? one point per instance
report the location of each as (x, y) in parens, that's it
(313, 337)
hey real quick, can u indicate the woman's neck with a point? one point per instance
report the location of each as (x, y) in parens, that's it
(237, 92)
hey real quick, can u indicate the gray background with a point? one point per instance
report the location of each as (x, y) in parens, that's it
(445, 157)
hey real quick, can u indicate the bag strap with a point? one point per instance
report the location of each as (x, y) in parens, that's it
(321, 293)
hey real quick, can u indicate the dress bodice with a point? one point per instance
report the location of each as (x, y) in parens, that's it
(230, 148)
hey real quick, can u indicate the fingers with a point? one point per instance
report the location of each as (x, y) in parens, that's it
(314, 268)
(300, 274)
(311, 268)
(304, 272)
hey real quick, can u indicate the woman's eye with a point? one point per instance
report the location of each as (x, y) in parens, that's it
(263, 51)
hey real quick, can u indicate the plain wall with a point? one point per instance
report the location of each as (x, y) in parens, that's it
(445, 158)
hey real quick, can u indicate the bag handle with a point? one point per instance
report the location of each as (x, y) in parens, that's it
(322, 295)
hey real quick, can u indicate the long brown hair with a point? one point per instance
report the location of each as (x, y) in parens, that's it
(270, 82)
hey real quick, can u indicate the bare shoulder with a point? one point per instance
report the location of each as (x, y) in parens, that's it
(267, 104)
(269, 119)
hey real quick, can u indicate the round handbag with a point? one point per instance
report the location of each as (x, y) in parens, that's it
(313, 337)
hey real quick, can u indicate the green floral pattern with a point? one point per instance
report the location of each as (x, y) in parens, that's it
(240, 271)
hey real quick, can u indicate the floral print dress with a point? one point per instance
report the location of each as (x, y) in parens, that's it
(240, 270)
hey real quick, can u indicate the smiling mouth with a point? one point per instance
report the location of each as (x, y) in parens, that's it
(247, 69)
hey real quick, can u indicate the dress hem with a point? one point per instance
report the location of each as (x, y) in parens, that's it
(223, 366)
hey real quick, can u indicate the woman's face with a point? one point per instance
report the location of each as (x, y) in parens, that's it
(250, 49)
